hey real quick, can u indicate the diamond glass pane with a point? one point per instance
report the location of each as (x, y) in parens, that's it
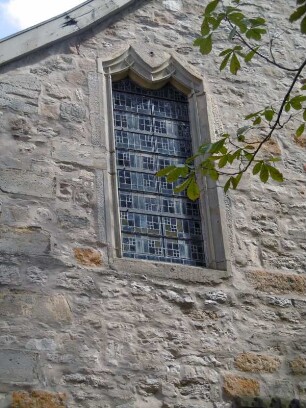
(152, 130)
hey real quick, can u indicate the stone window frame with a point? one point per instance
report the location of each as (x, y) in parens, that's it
(213, 214)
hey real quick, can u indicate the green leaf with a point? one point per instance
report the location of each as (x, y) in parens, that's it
(232, 33)
(287, 107)
(236, 154)
(166, 170)
(205, 29)
(223, 161)
(248, 156)
(297, 14)
(304, 115)
(224, 62)
(257, 121)
(174, 174)
(251, 54)
(234, 64)
(181, 187)
(257, 21)
(257, 168)
(193, 191)
(275, 174)
(204, 148)
(255, 33)
(243, 129)
(296, 101)
(214, 22)
(300, 130)
(252, 115)
(225, 52)
(213, 174)
(269, 113)
(231, 158)
(206, 45)
(235, 17)
(264, 173)
(211, 7)
(216, 146)
(236, 180)
(303, 88)
(227, 185)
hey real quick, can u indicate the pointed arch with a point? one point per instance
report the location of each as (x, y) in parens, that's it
(151, 75)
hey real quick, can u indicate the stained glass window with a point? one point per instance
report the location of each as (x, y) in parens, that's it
(152, 130)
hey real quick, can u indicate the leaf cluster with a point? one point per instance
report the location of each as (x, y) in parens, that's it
(217, 14)
(230, 157)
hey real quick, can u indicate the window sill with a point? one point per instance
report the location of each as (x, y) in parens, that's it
(170, 271)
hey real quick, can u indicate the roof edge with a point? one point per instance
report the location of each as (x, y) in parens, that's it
(58, 28)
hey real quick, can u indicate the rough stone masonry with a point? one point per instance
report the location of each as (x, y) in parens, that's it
(77, 330)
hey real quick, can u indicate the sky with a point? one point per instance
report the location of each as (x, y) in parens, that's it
(16, 15)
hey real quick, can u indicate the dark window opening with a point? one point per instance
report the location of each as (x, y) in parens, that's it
(152, 130)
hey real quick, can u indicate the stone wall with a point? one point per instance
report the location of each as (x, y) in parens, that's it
(78, 330)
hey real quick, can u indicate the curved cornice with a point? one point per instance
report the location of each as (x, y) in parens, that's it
(154, 75)
(60, 27)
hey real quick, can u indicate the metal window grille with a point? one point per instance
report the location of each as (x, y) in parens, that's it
(152, 130)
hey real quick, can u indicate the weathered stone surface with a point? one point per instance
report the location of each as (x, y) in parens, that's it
(18, 366)
(24, 241)
(68, 220)
(298, 365)
(9, 275)
(38, 399)
(277, 282)
(240, 386)
(48, 309)
(84, 155)
(88, 256)
(73, 112)
(20, 182)
(131, 333)
(257, 363)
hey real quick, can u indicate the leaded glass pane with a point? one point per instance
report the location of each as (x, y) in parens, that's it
(152, 131)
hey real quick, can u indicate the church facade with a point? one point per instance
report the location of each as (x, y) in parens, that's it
(115, 291)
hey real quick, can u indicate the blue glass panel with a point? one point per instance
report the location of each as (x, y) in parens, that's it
(152, 131)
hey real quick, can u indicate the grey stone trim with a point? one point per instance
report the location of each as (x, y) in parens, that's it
(67, 24)
(170, 271)
(154, 75)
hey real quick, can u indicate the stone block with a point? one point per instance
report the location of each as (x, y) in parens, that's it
(72, 112)
(84, 155)
(17, 105)
(23, 81)
(88, 256)
(24, 182)
(38, 399)
(18, 367)
(68, 220)
(277, 282)
(235, 386)
(257, 363)
(298, 365)
(48, 309)
(9, 275)
(24, 241)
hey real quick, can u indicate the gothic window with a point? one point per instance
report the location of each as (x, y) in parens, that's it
(152, 130)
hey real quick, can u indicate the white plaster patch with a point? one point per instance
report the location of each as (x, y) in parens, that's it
(173, 5)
